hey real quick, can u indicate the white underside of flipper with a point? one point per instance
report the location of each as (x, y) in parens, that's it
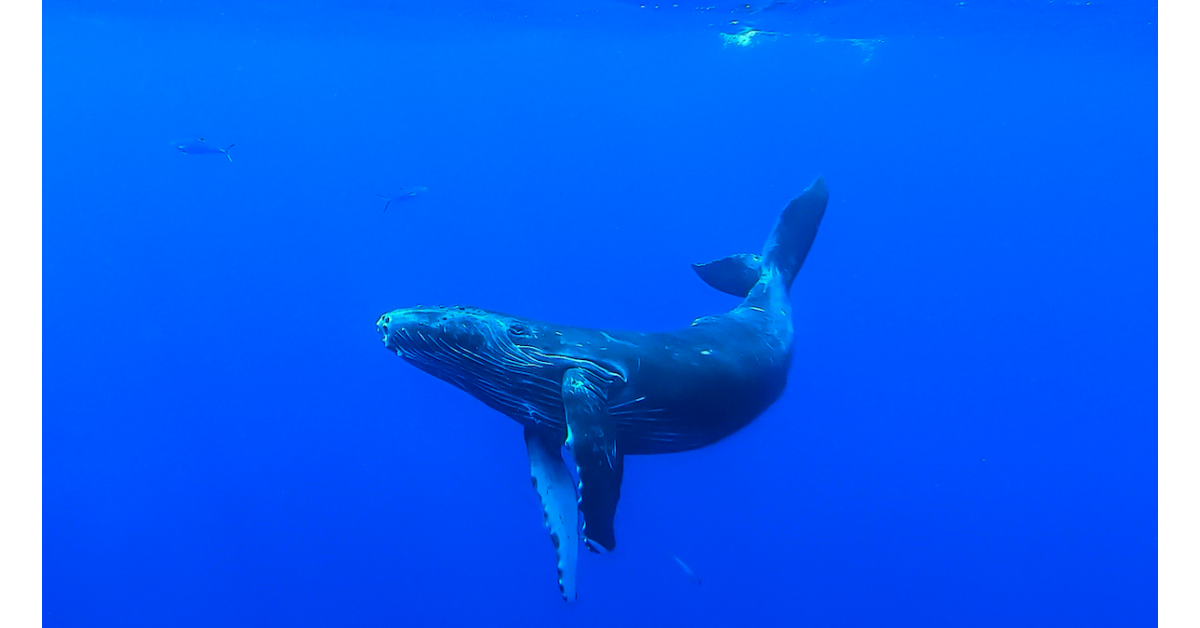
(554, 485)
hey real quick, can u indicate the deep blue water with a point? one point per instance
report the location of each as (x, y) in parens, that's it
(969, 433)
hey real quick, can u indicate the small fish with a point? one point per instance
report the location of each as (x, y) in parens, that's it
(687, 570)
(200, 147)
(406, 194)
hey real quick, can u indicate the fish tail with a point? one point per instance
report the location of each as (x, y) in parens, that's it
(227, 155)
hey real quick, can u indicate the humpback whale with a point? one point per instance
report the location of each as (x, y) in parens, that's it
(587, 398)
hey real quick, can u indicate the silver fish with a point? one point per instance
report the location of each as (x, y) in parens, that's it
(201, 147)
(406, 194)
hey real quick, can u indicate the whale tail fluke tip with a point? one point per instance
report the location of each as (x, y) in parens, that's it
(793, 235)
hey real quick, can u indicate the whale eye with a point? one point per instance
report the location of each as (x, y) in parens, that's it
(518, 329)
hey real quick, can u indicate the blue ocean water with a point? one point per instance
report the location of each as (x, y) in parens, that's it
(968, 437)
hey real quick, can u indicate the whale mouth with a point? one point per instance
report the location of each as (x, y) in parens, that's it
(416, 339)
(390, 327)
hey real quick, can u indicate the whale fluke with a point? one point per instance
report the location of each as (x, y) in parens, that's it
(734, 275)
(795, 231)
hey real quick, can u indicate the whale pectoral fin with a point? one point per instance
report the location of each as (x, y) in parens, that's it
(592, 441)
(734, 275)
(554, 485)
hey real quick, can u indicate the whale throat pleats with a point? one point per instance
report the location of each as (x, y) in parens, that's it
(554, 485)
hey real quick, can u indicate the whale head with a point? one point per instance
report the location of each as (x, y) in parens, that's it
(512, 364)
(489, 355)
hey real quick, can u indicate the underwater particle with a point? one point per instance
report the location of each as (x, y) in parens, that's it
(687, 570)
